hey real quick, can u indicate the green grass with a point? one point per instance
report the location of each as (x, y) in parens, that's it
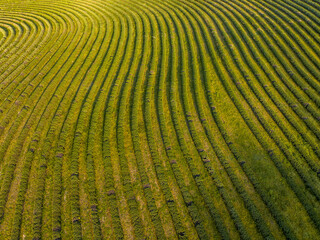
(160, 119)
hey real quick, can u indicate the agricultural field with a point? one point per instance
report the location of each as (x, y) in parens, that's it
(160, 119)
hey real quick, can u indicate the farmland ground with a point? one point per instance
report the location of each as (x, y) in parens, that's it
(160, 119)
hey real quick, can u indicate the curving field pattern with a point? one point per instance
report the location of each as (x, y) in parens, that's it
(160, 119)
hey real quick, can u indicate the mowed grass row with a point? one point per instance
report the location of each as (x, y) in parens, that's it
(159, 119)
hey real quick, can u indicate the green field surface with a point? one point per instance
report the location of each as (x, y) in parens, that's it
(160, 119)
